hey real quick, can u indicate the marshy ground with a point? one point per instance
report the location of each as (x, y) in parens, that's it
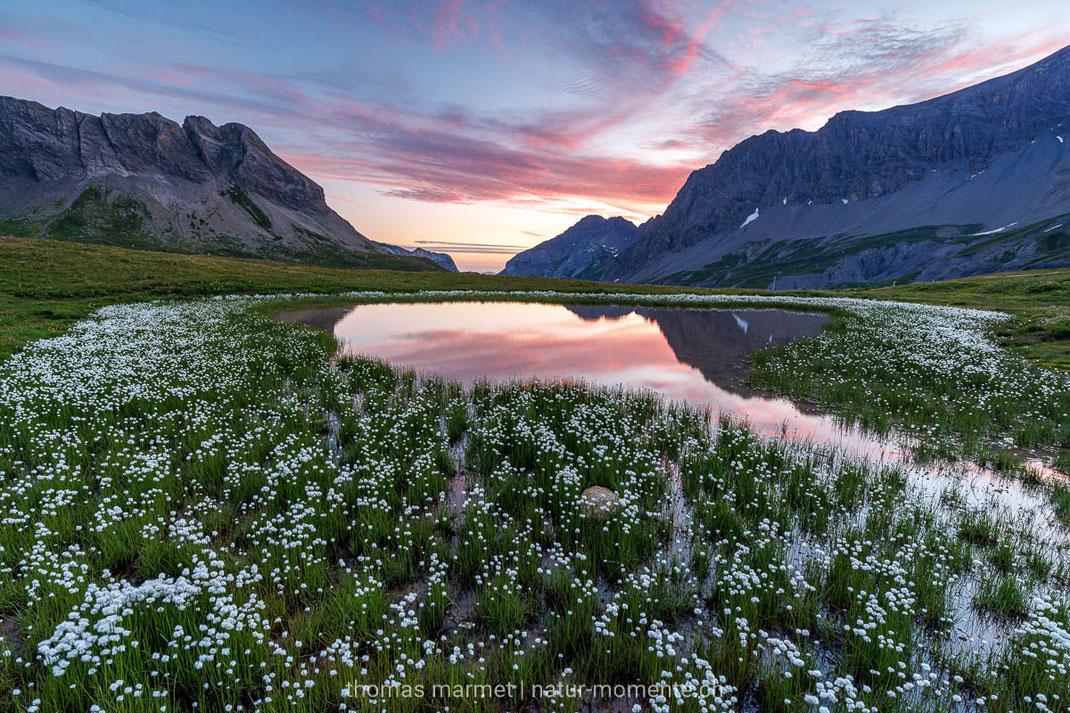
(206, 509)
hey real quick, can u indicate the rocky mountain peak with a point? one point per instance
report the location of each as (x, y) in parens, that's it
(147, 181)
(859, 156)
(579, 252)
(976, 180)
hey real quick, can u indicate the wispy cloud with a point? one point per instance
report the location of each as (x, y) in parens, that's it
(469, 248)
(869, 64)
(442, 167)
(440, 22)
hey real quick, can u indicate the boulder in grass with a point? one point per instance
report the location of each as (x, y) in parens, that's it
(598, 502)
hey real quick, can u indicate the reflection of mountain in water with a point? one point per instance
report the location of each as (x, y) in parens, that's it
(716, 342)
(324, 318)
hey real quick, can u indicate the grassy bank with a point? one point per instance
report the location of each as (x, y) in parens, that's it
(1039, 302)
(860, 371)
(45, 285)
(931, 373)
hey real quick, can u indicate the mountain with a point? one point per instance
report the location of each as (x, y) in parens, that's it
(582, 251)
(141, 180)
(971, 182)
(442, 259)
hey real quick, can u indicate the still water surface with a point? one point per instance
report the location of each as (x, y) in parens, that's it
(694, 355)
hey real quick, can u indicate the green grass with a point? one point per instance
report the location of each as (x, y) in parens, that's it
(92, 215)
(46, 285)
(806, 256)
(240, 198)
(814, 256)
(314, 494)
(1060, 498)
(1002, 596)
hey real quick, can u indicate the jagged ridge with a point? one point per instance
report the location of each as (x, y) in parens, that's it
(582, 251)
(142, 180)
(973, 181)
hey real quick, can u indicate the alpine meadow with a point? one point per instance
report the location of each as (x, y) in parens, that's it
(632, 357)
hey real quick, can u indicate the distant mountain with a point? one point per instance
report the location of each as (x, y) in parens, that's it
(141, 180)
(442, 259)
(971, 182)
(583, 251)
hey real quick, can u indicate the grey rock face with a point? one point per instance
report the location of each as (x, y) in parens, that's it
(818, 208)
(582, 251)
(861, 155)
(1010, 216)
(599, 503)
(142, 180)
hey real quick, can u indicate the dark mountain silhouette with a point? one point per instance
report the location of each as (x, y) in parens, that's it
(582, 251)
(716, 342)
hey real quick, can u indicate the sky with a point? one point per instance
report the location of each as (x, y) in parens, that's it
(483, 127)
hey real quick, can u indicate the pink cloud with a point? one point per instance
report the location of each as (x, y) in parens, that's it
(37, 42)
(447, 168)
(634, 56)
(441, 23)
